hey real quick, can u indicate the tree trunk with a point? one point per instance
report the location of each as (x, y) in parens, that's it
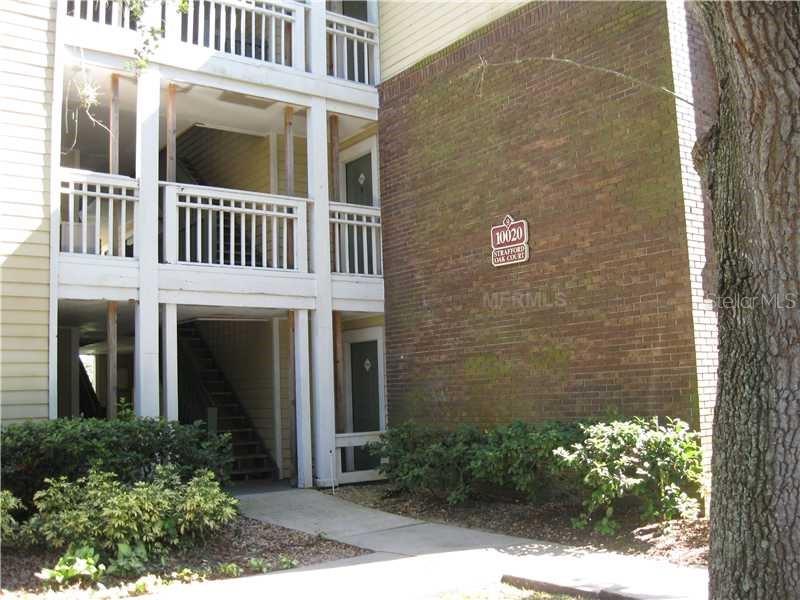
(750, 162)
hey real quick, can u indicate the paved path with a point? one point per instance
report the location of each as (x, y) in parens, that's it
(413, 559)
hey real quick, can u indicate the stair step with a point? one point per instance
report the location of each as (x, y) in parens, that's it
(266, 472)
(253, 456)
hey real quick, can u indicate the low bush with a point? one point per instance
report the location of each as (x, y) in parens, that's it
(660, 465)
(130, 522)
(602, 462)
(519, 457)
(132, 449)
(460, 464)
(429, 460)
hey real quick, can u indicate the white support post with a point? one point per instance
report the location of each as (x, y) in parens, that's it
(169, 344)
(324, 424)
(317, 38)
(299, 38)
(277, 420)
(170, 224)
(302, 399)
(146, 380)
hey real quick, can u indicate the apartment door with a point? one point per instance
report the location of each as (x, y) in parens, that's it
(365, 404)
(358, 190)
(358, 180)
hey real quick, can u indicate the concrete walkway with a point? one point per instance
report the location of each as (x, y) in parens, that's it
(415, 559)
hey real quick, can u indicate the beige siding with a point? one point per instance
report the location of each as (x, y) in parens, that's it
(26, 84)
(410, 31)
(239, 161)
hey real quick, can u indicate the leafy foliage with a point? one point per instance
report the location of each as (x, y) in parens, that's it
(135, 520)
(132, 449)
(230, 569)
(9, 526)
(658, 464)
(429, 460)
(456, 465)
(130, 560)
(80, 565)
(520, 456)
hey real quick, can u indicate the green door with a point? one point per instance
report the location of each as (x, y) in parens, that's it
(358, 180)
(358, 190)
(365, 382)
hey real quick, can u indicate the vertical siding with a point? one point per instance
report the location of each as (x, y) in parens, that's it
(27, 34)
(410, 31)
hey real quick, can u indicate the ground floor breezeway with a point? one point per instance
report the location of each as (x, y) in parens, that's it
(244, 371)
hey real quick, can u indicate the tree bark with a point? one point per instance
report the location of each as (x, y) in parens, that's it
(750, 162)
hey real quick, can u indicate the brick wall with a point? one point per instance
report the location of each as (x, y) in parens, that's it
(600, 319)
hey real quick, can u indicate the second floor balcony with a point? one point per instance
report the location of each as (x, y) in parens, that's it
(226, 203)
(220, 34)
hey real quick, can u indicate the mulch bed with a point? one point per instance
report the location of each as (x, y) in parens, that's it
(245, 539)
(681, 542)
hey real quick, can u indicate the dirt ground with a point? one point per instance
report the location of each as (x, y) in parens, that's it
(246, 539)
(681, 542)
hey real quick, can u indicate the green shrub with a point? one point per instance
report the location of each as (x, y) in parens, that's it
(9, 527)
(658, 464)
(457, 465)
(36, 450)
(520, 457)
(423, 459)
(100, 511)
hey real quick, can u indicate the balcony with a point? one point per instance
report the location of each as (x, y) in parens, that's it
(98, 213)
(233, 229)
(251, 33)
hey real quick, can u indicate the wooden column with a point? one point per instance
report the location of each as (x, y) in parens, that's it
(288, 143)
(113, 127)
(333, 162)
(338, 361)
(172, 130)
(111, 362)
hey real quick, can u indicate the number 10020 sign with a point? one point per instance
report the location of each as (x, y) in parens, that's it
(510, 242)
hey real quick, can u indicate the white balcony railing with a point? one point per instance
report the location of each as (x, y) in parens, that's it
(357, 243)
(105, 12)
(98, 213)
(352, 49)
(232, 228)
(272, 32)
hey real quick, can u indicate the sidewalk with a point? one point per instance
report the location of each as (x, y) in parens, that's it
(415, 559)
